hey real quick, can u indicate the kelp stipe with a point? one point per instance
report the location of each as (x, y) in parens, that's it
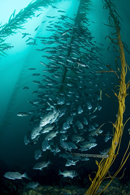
(105, 164)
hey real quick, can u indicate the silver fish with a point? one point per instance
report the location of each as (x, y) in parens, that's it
(45, 145)
(49, 118)
(47, 129)
(35, 132)
(51, 135)
(32, 184)
(15, 175)
(37, 154)
(22, 114)
(41, 165)
(87, 146)
(71, 174)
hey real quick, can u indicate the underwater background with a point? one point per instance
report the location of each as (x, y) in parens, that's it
(54, 91)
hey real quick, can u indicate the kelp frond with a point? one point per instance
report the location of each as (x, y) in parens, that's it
(17, 21)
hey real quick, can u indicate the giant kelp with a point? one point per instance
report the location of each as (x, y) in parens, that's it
(79, 20)
(69, 74)
(17, 21)
(105, 164)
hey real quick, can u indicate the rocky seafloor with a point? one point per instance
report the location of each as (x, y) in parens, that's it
(115, 188)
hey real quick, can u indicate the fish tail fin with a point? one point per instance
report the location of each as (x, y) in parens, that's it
(60, 173)
(25, 175)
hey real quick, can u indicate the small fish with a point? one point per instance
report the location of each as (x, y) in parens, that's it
(80, 110)
(49, 118)
(25, 88)
(67, 145)
(105, 151)
(37, 154)
(85, 121)
(64, 33)
(51, 135)
(41, 165)
(107, 137)
(70, 162)
(79, 125)
(36, 28)
(30, 38)
(26, 140)
(77, 138)
(43, 64)
(32, 43)
(71, 174)
(25, 34)
(32, 185)
(87, 146)
(22, 114)
(38, 14)
(35, 132)
(65, 126)
(94, 110)
(61, 11)
(9, 47)
(15, 175)
(99, 107)
(31, 68)
(47, 129)
(45, 145)
(89, 105)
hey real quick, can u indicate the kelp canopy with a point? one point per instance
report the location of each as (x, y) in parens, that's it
(17, 22)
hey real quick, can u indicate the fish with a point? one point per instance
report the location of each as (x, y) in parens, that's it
(36, 28)
(31, 68)
(51, 135)
(22, 114)
(26, 140)
(15, 175)
(25, 88)
(79, 124)
(6, 48)
(77, 138)
(32, 185)
(89, 105)
(107, 137)
(35, 132)
(71, 174)
(25, 34)
(45, 145)
(67, 145)
(85, 121)
(105, 151)
(47, 128)
(65, 126)
(95, 109)
(80, 110)
(37, 154)
(49, 118)
(87, 145)
(70, 162)
(41, 165)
